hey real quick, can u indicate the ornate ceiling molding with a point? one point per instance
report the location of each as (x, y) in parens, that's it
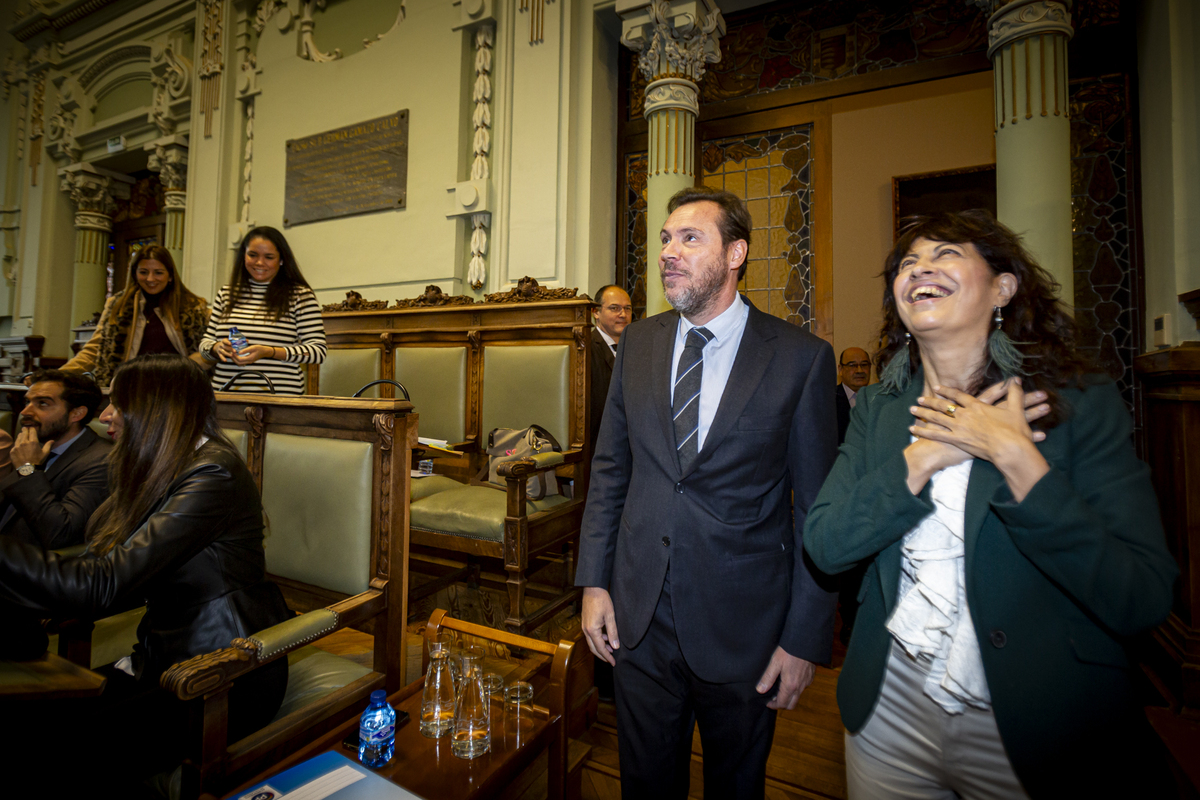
(134, 52)
(44, 18)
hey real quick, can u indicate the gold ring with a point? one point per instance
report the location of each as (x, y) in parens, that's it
(950, 409)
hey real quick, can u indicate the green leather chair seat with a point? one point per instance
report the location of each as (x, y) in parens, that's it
(314, 673)
(476, 512)
(423, 487)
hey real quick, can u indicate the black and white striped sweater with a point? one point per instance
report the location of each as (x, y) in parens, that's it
(300, 332)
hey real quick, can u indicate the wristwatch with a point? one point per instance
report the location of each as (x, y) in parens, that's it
(26, 469)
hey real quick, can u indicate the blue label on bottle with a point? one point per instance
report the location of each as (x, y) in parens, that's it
(380, 735)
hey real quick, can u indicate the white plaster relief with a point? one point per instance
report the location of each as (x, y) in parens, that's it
(211, 63)
(1026, 18)
(672, 93)
(481, 119)
(675, 45)
(171, 80)
(308, 46)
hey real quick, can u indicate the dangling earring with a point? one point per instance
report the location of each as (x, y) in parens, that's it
(897, 373)
(1002, 351)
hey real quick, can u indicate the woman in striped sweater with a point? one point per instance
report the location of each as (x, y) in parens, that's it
(271, 304)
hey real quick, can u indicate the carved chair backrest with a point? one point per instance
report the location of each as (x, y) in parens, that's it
(334, 481)
(471, 368)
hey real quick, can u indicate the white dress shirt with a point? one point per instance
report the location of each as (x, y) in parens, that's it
(851, 395)
(610, 341)
(727, 329)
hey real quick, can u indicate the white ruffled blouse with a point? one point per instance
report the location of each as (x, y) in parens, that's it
(931, 621)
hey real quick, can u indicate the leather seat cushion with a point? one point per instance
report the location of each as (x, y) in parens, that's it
(423, 487)
(476, 512)
(314, 673)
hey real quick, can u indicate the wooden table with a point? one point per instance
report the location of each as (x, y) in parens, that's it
(49, 677)
(426, 767)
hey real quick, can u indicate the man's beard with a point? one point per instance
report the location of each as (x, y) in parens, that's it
(702, 289)
(52, 429)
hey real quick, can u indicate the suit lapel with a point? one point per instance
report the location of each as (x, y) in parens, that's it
(749, 368)
(71, 454)
(893, 434)
(985, 480)
(660, 370)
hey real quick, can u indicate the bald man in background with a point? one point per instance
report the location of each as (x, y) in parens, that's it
(854, 372)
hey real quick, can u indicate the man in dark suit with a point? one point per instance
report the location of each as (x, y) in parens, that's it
(613, 311)
(854, 372)
(717, 435)
(60, 467)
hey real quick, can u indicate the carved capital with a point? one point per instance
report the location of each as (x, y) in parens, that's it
(675, 38)
(92, 195)
(88, 221)
(385, 426)
(672, 93)
(1021, 19)
(170, 162)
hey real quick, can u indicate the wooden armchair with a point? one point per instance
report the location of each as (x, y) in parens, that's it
(330, 471)
(468, 370)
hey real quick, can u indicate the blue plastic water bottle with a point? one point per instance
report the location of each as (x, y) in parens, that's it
(236, 340)
(377, 732)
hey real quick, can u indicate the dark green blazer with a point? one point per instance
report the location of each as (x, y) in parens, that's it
(1055, 584)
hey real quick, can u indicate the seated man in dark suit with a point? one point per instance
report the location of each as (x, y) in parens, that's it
(614, 310)
(60, 467)
(854, 372)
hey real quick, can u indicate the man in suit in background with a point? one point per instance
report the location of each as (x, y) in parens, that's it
(60, 467)
(613, 311)
(717, 435)
(854, 372)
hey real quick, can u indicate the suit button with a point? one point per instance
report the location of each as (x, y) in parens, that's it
(666, 541)
(998, 638)
(679, 488)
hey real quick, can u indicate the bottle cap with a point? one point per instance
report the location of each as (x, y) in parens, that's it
(379, 696)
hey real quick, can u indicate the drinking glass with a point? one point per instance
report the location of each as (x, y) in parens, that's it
(518, 713)
(472, 725)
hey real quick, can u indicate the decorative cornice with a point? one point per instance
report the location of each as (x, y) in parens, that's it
(133, 52)
(672, 93)
(43, 18)
(675, 45)
(1021, 19)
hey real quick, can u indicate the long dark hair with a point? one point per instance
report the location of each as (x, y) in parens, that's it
(170, 298)
(167, 404)
(1038, 324)
(283, 286)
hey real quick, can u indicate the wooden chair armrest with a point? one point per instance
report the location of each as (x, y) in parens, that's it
(207, 672)
(540, 462)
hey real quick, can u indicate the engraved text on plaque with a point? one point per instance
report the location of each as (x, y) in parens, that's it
(350, 170)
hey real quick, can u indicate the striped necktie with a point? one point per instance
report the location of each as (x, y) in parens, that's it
(686, 404)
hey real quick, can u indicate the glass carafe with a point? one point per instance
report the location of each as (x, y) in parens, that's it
(437, 697)
(472, 729)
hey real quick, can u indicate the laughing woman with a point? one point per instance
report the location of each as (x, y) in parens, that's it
(1007, 567)
(271, 304)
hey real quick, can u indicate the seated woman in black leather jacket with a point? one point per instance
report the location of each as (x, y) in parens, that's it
(182, 533)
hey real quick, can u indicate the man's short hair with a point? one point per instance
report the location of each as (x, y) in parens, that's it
(78, 390)
(734, 222)
(603, 289)
(842, 357)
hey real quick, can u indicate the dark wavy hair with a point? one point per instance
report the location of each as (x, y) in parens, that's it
(77, 390)
(1040, 326)
(166, 404)
(283, 286)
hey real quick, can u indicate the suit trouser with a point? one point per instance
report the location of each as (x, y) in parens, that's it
(660, 700)
(911, 748)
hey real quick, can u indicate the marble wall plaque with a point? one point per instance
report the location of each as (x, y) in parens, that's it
(351, 170)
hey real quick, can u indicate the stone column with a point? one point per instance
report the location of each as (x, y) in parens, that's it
(1027, 42)
(93, 190)
(168, 157)
(674, 39)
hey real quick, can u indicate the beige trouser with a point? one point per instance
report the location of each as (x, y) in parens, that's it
(911, 748)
